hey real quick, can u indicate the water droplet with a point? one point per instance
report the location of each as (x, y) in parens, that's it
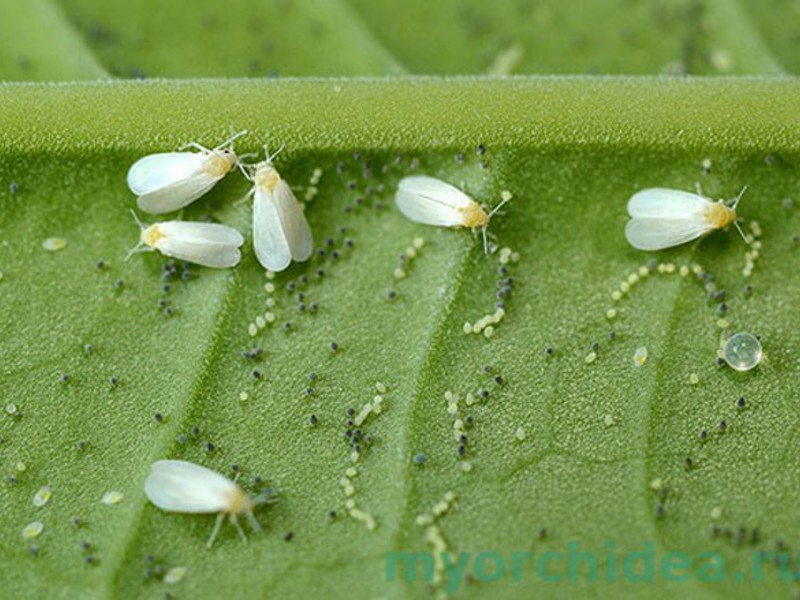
(743, 351)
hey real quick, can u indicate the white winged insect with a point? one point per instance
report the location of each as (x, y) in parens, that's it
(281, 232)
(184, 487)
(432, 201)
(662, 218)
(208, 244)
(169, 181)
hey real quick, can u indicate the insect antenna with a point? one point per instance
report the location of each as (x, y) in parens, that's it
(270, 157)
(736, 222)
(247, 169)
(738, 198)
(196, 146)
(489, 217)
(503, 202)
(229, 141)
(137, 247)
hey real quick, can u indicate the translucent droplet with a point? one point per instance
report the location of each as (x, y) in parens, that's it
(31, 530)
(640, 356)
(112, 497)
(54, 244)
(43, 496)
(175, 575)
(743, 351)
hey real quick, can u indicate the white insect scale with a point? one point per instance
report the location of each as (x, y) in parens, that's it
(662, 218)
(184, 487)
(432, 201)
(169, 181)
(208, 244)
(281, 232)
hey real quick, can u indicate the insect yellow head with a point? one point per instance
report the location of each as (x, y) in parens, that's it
(474, 216)
(267, 177)
(719, 215)
(150, 235)
(220, 162)
(240, 502)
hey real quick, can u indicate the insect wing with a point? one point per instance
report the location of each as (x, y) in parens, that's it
(180, 486)
(280, 229)
(662, 203)
(202, 232)
(208, 244)
(657, 233)
(169, 181)
(431, 201)
(157, 171)
(269, 241)
(293, 222)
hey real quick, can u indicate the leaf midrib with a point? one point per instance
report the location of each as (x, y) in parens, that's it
(82, 53)
(124, 551)
(424, 375)
(685, 288)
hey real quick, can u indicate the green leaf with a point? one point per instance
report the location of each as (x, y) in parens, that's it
(595, 435)
(778, 24)
(230, 39)
(38, 44)
(364, 37)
